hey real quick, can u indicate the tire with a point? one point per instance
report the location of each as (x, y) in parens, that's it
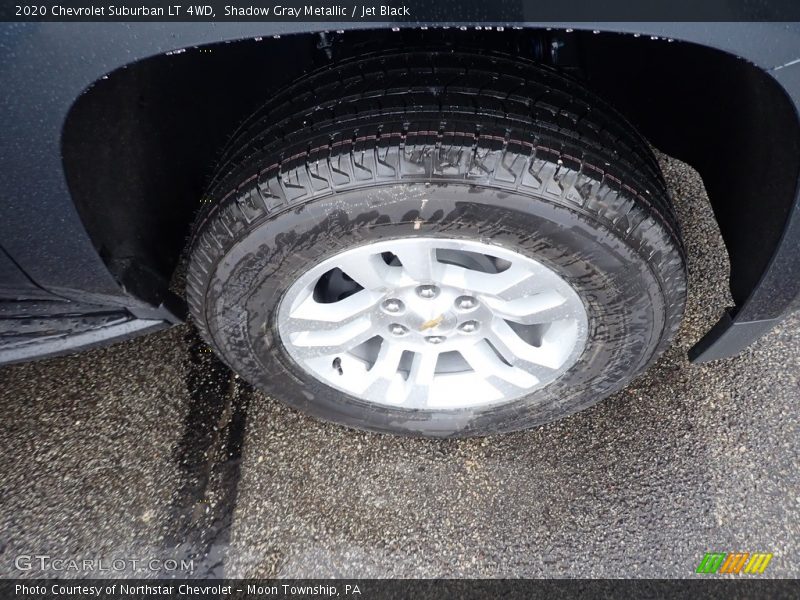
(439, 148)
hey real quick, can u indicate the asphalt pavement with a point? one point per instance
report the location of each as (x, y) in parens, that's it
(152, 449)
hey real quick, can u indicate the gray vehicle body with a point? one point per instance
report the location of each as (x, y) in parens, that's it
(88, 181)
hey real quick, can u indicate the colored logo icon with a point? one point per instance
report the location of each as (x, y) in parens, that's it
(734, 562)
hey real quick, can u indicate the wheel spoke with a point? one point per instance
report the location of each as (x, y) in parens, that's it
(511, 283)
(518, 353)
(370, 272)
(319, 329)
(420, 263)
(327, 342)
(420, 378)
(485, 362)
(545, 307)
(384, 372)
(311, 315)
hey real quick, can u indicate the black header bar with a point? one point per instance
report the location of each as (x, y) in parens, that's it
(498, 12)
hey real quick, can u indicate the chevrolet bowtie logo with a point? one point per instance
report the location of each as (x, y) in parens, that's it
(432, 323)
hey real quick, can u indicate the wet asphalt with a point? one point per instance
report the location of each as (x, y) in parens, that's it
(153, 449)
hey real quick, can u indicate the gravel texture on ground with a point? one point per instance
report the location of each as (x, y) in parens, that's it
(152, 448)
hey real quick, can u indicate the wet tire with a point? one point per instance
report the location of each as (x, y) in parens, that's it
(439, 145)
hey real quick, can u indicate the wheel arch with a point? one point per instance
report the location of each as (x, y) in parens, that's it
(140, 144)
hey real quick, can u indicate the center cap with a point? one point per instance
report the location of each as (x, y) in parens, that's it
(432, 323)
(425, 325)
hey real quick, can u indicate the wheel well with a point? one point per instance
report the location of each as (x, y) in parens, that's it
(140, 145)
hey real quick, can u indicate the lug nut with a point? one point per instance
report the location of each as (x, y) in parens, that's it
(398, 329)
(393, 306)
(466, 303)
(435, 339)
(427, 291)
(469, 326)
